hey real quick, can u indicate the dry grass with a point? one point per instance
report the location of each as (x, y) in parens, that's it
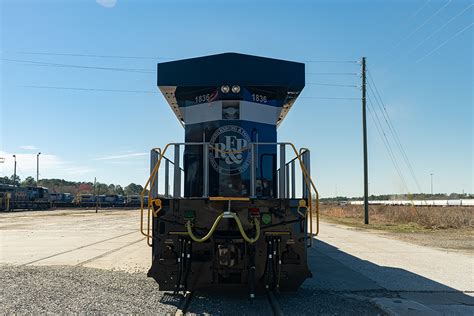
(432, 217)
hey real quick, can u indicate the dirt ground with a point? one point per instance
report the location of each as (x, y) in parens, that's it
(458, 239)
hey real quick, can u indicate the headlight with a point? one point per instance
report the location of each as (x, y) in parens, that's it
(235, 89)
(225, 89)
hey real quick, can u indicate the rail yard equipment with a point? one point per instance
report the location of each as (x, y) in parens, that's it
(31, 198)
(231, 204)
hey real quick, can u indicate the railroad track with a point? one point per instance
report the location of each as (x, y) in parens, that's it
(81, 247)
(185, 303)
(110, 252)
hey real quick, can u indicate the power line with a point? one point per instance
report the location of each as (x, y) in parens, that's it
(90, 89)
(423, 24)
(443, 26)
(92, 55)
(149, 92)
(151, 58)
(134, 70)
(445, 42)
(419, 10)
(392, 129)
(385, 141)
(47, 64)
(333, 73)
(332, 61)
(330, 98)
(332, 85)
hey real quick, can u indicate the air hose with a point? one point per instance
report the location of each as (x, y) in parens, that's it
(216, 222)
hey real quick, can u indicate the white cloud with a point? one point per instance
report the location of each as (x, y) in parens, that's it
(28, 147)
(122, 156)
(51, 166)
(107, 3)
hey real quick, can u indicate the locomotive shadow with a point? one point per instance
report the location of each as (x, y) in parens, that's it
(341, 284)
(339, 273)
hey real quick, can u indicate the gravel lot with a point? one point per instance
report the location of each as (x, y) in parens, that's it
(65, 289)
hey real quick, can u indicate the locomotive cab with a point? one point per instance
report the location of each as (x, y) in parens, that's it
(226, 206)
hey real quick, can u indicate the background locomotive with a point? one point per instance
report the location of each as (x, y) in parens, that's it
(39, 198)
(12, 197)
(234, 214)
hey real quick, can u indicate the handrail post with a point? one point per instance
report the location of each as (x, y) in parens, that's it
(252, 171)
(177, 173)
(153, 160)
(281, 189)
(205, 170)
(287, 178)
(293, 184)
(167, 178)
(308, 169)
(305, 188)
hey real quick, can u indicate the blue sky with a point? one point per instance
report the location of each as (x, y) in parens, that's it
(421, 66)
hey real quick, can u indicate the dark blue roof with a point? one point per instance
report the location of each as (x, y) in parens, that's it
(232, 68)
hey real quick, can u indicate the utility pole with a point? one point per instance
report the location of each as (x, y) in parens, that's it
(14, 171)
(14, 185)
(96, 200)
(37, 168)
(431, 174)
(364, 131)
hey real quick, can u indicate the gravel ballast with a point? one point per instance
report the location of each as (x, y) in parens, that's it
(65, 289)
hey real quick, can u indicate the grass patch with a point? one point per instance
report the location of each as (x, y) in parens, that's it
(402, 218)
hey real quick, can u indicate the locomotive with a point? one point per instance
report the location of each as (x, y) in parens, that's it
(231, 205)
(31, 198)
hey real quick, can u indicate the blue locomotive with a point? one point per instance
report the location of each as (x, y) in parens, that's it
(30, 198)
(231, 204)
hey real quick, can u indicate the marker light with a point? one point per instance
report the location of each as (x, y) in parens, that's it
(225, 89)
(235, 89)
(254, 212)
(266, 218)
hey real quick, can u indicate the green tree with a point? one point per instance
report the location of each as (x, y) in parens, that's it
(15, 180)
(28, 182)
(133, 189)
(119, 189)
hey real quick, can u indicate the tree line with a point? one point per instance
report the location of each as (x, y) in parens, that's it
(81, 187)
(414, 196)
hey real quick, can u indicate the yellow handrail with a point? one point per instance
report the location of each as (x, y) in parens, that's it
(151, 179)
(310, 199)
(307, 178)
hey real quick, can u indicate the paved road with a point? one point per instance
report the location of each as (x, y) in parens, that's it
(352, 269)
(399, 276)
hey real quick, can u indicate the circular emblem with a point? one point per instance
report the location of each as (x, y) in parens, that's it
(229, 150)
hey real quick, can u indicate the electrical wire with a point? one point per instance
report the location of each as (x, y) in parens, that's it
(333, 73)
(151, 58)
(445, 42)
(394, 132)
(329, 98)
(47, 64)
(91, 55)
(386, 142)
(90, 89)
(418, 11)
(150, 92)
(422, 24)
(332, 61)
(443, 26)
(332, 85)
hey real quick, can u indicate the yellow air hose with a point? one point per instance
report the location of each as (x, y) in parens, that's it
(216, 222)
